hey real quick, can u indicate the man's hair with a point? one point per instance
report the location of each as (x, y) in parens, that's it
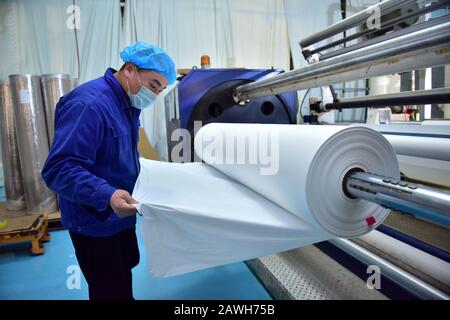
(123, 67)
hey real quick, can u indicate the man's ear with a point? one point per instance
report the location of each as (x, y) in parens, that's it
(128, 69)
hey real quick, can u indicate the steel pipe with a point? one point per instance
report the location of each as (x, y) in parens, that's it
(385, 7)
(384, 26)
(426, 202)
(401, 277)
(441, 95)
(417, 262)
(420, 49)
(386, 37)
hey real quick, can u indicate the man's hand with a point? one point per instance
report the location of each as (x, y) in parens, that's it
(122, 203)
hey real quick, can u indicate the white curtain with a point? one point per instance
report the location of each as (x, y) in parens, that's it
(234, 33)
(305, 18)
(36, 38)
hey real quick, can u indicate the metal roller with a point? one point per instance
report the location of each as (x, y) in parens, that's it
(430, 96)
(408, 281)
(384, 7)
(32, 141)
(419, 49)
(426, 202)
(15, 198)
(54, 86)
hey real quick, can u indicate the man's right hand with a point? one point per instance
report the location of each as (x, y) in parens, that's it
(122, 203)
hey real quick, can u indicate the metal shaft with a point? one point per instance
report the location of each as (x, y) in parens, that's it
(416, 50)
(441, 95)
(423, 201)
(385, 37)
(385, 7)
(384, 26)
(403, 278)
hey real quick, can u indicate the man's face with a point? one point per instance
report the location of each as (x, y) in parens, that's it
(151, 79)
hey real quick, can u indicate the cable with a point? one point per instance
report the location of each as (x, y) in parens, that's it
(301, 104)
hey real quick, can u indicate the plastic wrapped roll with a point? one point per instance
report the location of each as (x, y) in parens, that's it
(54, 86)
(15, 199)
(263, 189)
(32, 141)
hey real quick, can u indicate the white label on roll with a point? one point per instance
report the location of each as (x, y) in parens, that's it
(24, 96)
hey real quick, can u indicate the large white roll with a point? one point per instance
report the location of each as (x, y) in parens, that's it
(312, 164)
(283, 190)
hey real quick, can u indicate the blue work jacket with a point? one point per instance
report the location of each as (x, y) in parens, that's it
(94, 153)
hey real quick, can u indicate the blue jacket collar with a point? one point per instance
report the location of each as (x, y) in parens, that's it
(117, 88)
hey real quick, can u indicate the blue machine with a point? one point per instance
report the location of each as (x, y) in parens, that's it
(207, 95)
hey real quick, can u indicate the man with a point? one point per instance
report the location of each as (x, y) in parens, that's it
(94, 163)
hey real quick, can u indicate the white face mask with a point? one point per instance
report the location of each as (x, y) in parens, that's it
(144, 98)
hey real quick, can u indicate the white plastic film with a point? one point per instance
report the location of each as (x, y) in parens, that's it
(234, 208)
(195, 217)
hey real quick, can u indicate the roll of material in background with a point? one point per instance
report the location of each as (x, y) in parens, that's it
(54, 86)
(233, 208)
(423, 150)
(442, 122)
(32, 141)
(15, 198)
(423, 141)
(427, 171)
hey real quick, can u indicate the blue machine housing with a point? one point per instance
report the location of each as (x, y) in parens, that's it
(206, 95)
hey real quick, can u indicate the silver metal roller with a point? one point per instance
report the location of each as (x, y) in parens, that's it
(423, 201)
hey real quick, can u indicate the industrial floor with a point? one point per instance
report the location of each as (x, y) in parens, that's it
(45, 277)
